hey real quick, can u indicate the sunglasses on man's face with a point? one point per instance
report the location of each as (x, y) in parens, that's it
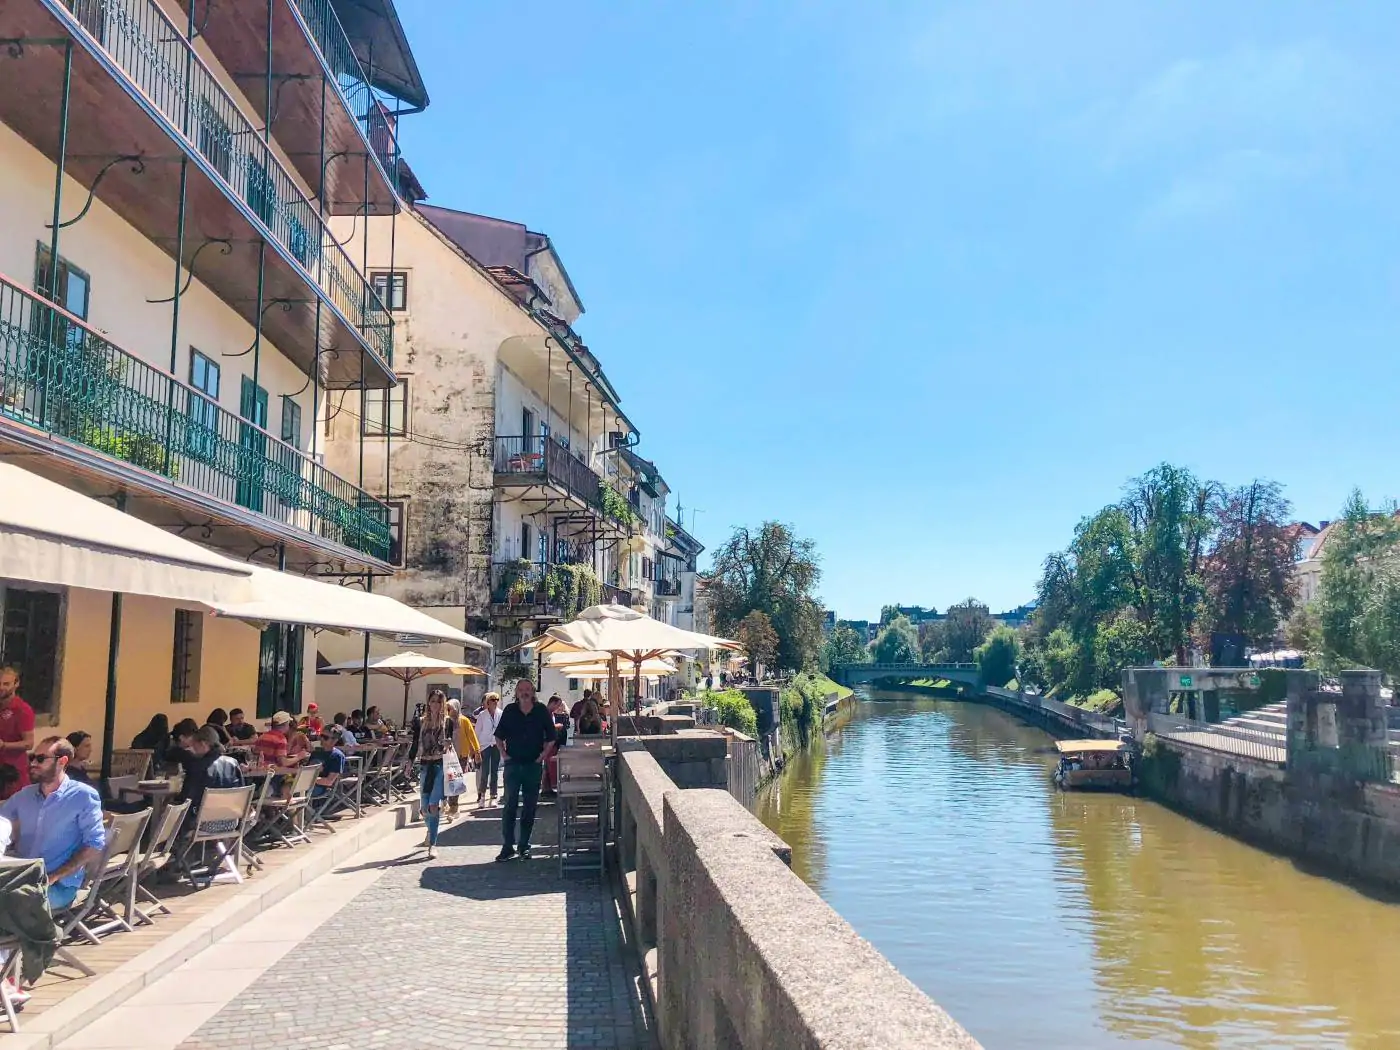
(37, 759)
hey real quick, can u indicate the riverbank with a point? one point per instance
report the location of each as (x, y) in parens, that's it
(1114, 922)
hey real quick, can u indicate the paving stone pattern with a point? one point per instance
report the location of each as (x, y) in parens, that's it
(457, 952)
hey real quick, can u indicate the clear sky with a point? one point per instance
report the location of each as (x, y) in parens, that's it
(930, 281)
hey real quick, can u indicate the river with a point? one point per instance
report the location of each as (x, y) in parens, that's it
(1043, 919)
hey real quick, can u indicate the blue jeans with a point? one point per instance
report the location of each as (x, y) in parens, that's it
(61, 896)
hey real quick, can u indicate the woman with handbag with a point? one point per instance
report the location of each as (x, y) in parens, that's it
(437, 734)
(468, 753)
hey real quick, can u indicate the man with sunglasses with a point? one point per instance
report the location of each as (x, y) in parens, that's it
(57, 820)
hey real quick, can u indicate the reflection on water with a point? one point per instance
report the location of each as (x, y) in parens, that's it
(1046, 919)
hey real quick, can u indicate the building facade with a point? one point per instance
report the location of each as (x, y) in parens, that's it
(176, 318)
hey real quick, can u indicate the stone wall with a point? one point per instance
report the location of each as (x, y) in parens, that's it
(695, 759)
(742, 954)
(1335, 822)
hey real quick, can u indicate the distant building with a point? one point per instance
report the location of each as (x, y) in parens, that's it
(864, 629)
(1017, 617)
(1307, 569)
(828, 621)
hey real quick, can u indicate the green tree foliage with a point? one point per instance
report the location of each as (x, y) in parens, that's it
(772, 570)
(843, 646)
(965, 628)
(1359, 603)
(1151, 575)
(755, 632)
(1250, 583)
(732, 708)
(998, 655)
(933, 640)
(897, 642)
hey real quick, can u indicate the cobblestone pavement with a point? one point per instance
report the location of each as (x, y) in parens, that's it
(456, 952)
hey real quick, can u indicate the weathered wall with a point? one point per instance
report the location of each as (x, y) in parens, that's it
(1337, 823)
(696, 758)
(747, 956)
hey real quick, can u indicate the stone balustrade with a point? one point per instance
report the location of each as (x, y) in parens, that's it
(740, 953)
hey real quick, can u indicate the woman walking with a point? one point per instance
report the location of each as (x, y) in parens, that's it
(467, 748)
(436, 733)
(489, 772)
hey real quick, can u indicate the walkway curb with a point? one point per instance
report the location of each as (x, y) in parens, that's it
(86, 1006)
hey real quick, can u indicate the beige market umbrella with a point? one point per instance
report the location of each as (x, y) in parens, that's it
(630, 635)
(656, 668)
(408, 667)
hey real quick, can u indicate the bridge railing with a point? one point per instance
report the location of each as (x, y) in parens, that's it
(964, 668)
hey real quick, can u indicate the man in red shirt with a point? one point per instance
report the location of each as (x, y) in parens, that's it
(272, 745)
(16, 727)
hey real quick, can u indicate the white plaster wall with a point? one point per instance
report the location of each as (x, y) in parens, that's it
(126, 269)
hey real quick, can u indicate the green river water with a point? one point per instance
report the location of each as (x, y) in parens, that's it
(1042, 919)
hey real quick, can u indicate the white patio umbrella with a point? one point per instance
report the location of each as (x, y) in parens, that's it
(630, 635)
(657, 668)
(408, 667)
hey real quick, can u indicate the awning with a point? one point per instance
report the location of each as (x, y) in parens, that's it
(278, 597)
(53, 535)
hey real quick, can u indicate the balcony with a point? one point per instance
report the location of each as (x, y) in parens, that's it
(310, 48)
(138, 89)
(668, 588)
(544, 461)
(112, 411)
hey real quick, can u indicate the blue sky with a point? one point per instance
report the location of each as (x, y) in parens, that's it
(931, 281)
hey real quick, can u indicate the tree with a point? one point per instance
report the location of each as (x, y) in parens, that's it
(1250, 583)
(998, 656)
(1359, 603)
(1304, 630)
(933, 640)
(966, 627)
(897, 643)
(772, 570)
(843, 646)
(755, 633)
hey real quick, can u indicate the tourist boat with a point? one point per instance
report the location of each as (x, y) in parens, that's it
(1101, 764)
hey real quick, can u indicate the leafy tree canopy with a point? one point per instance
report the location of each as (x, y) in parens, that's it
(770, 570)
(897, 642)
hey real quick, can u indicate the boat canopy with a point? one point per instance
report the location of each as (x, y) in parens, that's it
(1076, 747)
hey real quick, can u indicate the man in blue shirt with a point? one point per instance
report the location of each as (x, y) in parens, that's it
(57, 820)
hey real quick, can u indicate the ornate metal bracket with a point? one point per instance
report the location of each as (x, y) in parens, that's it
(226, 248)
(285, 304)
(204, 528)
(260, 549)
(315, 369)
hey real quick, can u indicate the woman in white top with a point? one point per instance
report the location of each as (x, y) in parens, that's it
(487, 719)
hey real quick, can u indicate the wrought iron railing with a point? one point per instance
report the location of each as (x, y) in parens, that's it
(60, 375)
(546, 457)
(153, 52)
(330, 38)
(666, 588)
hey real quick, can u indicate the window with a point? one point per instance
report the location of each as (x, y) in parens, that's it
(30, 629)
(526, 539)
(527, 429)
(385, 412)
(72, 287)
(201, 438)
(392, 288)
(291, 422)
(396, 528)
(184, 669)
(252, 406)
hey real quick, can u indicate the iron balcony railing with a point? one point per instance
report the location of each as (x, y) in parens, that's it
(330, 38)
(666, 588)
(153, 52)
(546, 458)
(60, 375)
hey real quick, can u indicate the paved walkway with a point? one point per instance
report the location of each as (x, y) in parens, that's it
(391, 950)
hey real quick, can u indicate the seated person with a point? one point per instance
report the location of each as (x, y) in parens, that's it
(70, 835)
(239, 730)
(82, 755)
(332, 762)
(298, 746)
(178, 753)
(311, 721)
(218, 718)
(154, 738)
(272, 746)
(375, 724)
(356, 725)
(209, 767)
(347, 736)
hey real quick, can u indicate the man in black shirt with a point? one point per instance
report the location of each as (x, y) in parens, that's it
(522, 734)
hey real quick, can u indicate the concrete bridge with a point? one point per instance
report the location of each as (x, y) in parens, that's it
(855, 674)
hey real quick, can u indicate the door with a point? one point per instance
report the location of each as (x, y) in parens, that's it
(252, 445)
(71, 381)
(527, 428)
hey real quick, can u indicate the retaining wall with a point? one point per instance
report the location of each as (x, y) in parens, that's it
(743, 954)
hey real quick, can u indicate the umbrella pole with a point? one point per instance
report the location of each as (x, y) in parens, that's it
(612, 695)
(364, 678)
(406, 681)
(637, 686)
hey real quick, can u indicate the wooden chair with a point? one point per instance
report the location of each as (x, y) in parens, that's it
(160, 853)
(132, 762)
(219, 823)
(114, 885)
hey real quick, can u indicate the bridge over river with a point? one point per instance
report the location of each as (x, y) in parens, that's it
(860, 674)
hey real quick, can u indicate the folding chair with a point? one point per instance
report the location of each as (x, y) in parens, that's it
(120, 787)
(288, 815)
(131, 762)
(9, 970)
(114, 885)
(220, 822)
(345, 793)
(72, 920)
(582, 810)
(376, 771)
(160, 853)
